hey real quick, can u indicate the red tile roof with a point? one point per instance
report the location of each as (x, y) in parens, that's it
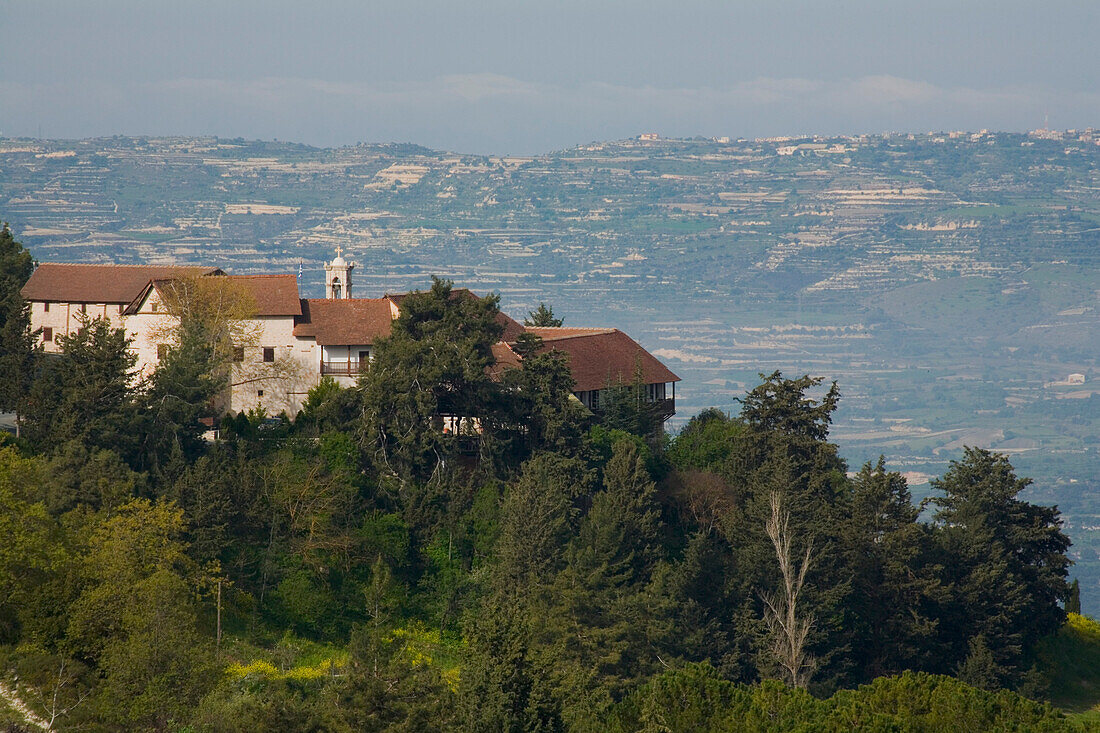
(602, 356)
(78, 283)
(503, 358)
(275, 295)
(346, 322)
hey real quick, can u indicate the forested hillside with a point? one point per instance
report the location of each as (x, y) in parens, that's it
(358, 568)
(947, 281)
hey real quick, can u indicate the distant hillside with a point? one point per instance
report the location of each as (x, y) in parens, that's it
(948, 282)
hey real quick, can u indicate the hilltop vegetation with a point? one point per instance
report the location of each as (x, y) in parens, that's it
(359, 568)
(946, 280)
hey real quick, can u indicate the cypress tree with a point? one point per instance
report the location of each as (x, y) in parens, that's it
(17, 343)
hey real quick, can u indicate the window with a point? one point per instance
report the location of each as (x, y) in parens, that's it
(259, 393)
(162, 351)
(83, 307)
(46, 306)
(47, 334)
(269, 353)
(238, 353)
(120, 308)
(154, 306)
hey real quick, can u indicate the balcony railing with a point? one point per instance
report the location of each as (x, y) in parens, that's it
(666, 408)
(340, 368)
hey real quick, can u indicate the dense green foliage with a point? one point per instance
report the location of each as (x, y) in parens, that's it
(696, 699)
(438, 548)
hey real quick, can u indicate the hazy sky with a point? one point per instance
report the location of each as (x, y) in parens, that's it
(514, 76)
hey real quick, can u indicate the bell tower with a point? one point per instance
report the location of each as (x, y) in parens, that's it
(338, 277)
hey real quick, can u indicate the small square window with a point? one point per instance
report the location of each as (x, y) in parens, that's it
(259, 393)
(238, 353)
(162, 351)
(46, 306)
(47, 334)
(269, 353)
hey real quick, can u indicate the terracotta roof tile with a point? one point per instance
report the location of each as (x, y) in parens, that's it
(346, 322)
(79, 283)
(275, 295)
(503, 358)
(602, 356)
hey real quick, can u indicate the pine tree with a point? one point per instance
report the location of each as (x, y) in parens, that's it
(896, 585)
(600, 622)
(543, 316)
(17, 343)
(86, 394)
(1006, 559)
(182, 390)
(507, 677)
(1073, 601)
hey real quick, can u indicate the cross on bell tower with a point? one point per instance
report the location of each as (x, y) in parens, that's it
(338, 277)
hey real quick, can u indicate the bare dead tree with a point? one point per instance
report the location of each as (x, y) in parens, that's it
(788, 627)
(52, 702)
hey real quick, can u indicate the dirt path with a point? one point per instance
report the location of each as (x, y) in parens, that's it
(20, 707)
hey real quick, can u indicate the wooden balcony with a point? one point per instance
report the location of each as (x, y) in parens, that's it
(340, 368)
(666, 408)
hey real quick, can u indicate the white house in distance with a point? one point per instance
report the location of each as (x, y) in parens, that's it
(296, 341)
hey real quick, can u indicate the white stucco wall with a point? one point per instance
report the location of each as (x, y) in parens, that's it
(279, 385)
(275, 387)
(66, 317)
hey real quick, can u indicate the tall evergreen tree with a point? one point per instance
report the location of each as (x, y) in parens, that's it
(1006, 560)
(86, 393)
(507, 677)
(896, 584)
(539, 396)
(602, 620)
(17, 343)
(182, 390)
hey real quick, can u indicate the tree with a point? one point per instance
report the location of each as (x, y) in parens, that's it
(626, 406)
(896, 584)
(86, 393)
(541, 405)
(137, 619)
(507, 677)
(605, 626)
(433, 365)
(211, 318)
(780, 408)
(221, 310)
(31, 549)
(1007, 561)
(17, 343)
(1073, 600)
(543, 316)
(182, 390)
(785, 448)
(789, 626)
